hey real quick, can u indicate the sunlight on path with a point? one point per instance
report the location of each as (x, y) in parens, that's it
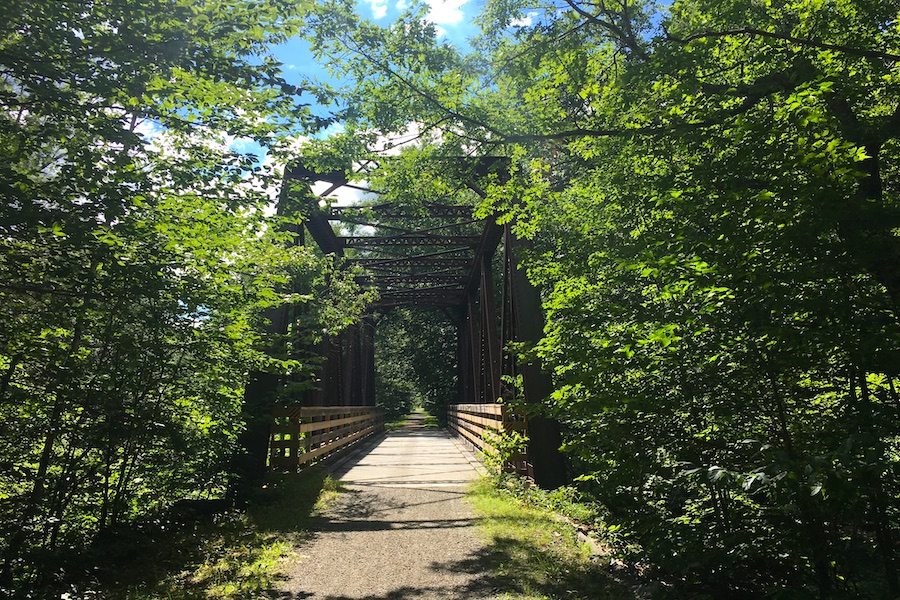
(401, 528)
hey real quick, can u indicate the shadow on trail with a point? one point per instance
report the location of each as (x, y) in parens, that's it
(504, 566)
(501, 566)
(166, 557)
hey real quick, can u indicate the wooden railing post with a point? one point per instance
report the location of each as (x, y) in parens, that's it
(473, 421)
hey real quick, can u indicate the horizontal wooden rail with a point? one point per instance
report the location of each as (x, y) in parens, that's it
(475, 422)
(300, 435)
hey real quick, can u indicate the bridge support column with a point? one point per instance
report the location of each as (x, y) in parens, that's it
(331, 383)
(490, 342)
(473, 337)
(544, 439)
(249, 461)
(350, 376)
(460, 319)
(367, 365)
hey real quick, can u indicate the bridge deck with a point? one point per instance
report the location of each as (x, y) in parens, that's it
(400, 529)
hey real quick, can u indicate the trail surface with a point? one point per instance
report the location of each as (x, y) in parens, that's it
(401, 527)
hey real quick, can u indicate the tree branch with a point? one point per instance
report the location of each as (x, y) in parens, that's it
(749, 31)
(652, 131)
(627, 39)
(421, 93)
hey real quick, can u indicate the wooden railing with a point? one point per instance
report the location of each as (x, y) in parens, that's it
(303, 434)
(475, 422)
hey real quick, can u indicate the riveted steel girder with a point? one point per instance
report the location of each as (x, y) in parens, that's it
(409, 240)
(389, 280)
(389, 211)
(414, 261)
(437, 254)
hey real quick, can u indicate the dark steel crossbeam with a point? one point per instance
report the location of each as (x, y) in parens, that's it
(433, 302)
(409, 240)
(389, 211)
(427, 263)
(423, 293)
(413, 278)
(395, 272)
(403, 230)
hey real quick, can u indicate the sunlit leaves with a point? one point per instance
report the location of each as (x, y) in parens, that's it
(137, 257)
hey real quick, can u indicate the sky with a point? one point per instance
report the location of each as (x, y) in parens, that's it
(452, 20)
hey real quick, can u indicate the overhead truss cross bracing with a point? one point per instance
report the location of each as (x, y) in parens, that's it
(427, 254)
(433, 253)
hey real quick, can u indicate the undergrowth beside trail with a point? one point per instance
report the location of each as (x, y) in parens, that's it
(533, 553)
(398, 424)
(230, 556)
(429, 422)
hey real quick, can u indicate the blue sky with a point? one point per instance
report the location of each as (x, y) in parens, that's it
(452, 18)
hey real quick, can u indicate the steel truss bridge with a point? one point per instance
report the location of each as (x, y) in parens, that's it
(433, 254)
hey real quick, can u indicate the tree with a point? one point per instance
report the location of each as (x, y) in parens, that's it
(415, 361)
(137, 257)
(712, 193)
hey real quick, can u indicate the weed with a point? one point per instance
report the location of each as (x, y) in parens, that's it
(236, 556)
(533, 555)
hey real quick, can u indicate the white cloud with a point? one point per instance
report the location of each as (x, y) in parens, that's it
(331, 130)
(402, 4)
(342, 196)
(148, 129)
(526, 21)
(445, 11)
(379, 8)
(242, 144)
(392, 144)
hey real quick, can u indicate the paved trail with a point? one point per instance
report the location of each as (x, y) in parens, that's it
(401, 528)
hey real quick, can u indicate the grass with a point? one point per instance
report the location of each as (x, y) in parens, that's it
(238, 555)
(532, 554)
(393, 425)
(430, 421)
(278, 521)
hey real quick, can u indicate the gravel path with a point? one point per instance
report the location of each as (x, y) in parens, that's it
(400, 529)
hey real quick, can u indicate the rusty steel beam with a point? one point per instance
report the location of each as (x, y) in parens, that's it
(544, 438)
(422, 294)
(382, 280)
(388, 211)
(413, 261)
(375, 224)
(429, 303)
(490, 239)
(491, 341)
(368, 361)
(408, 240)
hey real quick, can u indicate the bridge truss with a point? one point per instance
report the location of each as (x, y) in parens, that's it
(436, 253)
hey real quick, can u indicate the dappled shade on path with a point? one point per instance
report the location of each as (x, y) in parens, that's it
(401, 527)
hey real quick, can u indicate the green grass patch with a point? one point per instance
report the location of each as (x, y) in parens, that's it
(398, 424)
(534, 555)
(236, 555)
(429, 422)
